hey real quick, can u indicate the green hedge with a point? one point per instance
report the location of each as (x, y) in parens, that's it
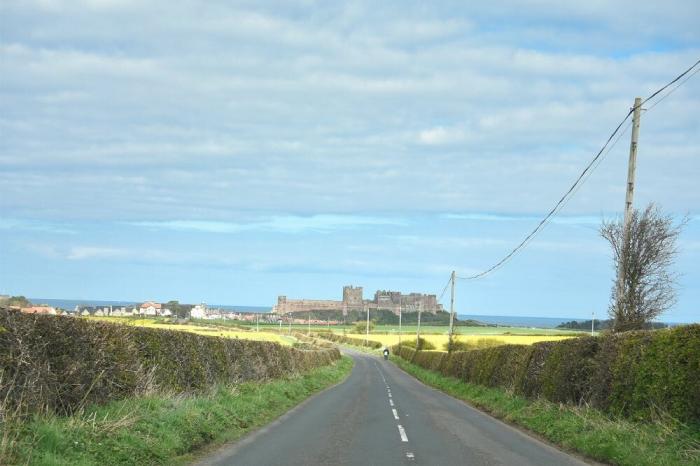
(634, 374)
(349, 341)
(59, 364)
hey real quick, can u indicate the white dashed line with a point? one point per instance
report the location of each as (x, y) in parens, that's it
(391, 402)
(402, 433)
(396, 416)
(410, 455)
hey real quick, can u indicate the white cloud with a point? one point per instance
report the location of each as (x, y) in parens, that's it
(280, 224)
(96, 252)
(440, 135)
(496, 217)
(349, 109)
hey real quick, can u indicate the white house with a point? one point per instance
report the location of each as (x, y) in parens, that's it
(199, 311)
(149, 308)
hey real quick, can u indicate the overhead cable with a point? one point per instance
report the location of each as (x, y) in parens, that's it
(584, 174)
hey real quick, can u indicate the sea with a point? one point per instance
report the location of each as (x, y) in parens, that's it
(521, 321)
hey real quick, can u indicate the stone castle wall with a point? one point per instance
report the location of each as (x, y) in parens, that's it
(353, 300)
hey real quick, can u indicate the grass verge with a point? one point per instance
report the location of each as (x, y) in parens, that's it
(162, 429)
(584, 430)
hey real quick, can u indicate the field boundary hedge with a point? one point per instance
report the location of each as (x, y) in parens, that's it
(348, 340)
(60, 364)
(640, 374)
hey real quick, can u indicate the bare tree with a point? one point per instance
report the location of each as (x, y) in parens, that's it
(648, 284)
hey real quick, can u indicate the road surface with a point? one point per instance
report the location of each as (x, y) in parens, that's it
(382, 416)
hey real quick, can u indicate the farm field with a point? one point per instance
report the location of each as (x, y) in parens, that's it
(424, 330)
(203, 329)
(440, 340)
(386, 334)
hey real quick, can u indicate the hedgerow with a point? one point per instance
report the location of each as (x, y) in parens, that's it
(349, 341)
(636, 374)
(60, 364)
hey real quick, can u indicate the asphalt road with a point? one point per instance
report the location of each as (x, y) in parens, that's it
(382, 416)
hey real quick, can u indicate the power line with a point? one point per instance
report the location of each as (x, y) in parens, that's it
(680, 76)
(444, 289)
(583, 176)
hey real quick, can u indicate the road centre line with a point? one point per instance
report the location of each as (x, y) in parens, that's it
(396, 415)
(391, 402)
(402, 433)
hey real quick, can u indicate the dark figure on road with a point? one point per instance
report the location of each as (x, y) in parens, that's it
(386, 353)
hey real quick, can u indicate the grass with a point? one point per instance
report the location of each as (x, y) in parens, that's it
(584, 430)
(162, 429)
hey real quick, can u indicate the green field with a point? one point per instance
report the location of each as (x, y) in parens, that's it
(424, 330)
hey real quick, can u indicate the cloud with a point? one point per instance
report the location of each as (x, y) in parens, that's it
(94, 252)
(498, 217)
(12, 224)
(350, 109)
(279, 224)
(440, 135)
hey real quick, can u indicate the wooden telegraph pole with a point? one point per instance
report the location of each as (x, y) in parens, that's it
(629, 198)
(399, 325)
(367, 327)
(452, 309)
(420, 311)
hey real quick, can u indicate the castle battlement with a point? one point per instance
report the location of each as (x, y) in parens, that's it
(353, 300)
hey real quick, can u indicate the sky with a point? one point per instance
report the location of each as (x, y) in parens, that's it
(230, 152)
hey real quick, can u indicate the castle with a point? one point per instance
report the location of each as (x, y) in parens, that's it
(354, 301)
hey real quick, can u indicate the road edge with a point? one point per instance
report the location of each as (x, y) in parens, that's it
(512, 425)
(212, 454)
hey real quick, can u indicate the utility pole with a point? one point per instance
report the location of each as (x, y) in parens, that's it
(399, 325)
(280, 325)
(367, 328)
(592, 322)
(420, 311)
(257, 322)
(629, 198)
(290, 324)
(452, 309)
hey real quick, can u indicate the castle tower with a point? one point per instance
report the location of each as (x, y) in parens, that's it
(352, 297)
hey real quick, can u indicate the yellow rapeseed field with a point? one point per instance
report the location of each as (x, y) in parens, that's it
(440, 340)
(201, 329)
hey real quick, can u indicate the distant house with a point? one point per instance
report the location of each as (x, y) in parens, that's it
(48, 310)
(199, 311)
(118, 311)
(149, 308)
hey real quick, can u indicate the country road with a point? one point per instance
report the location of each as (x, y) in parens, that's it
(382, 416)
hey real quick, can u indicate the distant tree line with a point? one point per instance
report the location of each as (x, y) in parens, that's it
(387, 317)
(603, 325)
(16, 301)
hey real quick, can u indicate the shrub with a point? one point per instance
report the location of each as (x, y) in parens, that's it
(466, 345)
(639, 374)
(59, 364)
(568, 373)
(361, 326)
(423, 344)
(350, 341)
